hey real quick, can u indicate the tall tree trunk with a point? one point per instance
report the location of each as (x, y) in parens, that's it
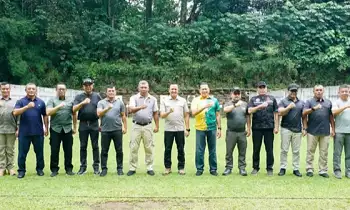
(148, 5)
(183, 12)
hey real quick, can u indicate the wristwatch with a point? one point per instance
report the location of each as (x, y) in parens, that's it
(219, 128)
(313, 109)
(188, 130)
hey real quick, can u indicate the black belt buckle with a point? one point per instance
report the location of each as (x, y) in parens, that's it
(141, 124)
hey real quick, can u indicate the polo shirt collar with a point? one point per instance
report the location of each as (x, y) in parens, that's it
(140, 96)
(30, 99)
(200, 97)
(289, 99)
(319, 100)
(111, 101)
(170, 98)
(2, 98)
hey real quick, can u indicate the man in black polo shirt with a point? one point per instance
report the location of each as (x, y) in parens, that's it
(33, 111)
(291, 110)
(319, 116)
(237, 117)
(86, 104)
(265, 125)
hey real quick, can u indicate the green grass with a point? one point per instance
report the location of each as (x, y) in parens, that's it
(174, 191)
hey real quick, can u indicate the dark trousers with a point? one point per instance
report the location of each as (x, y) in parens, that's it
(232, 139)
(258, 136)
(106, 138)
(202, 137)
(67, 144)
(23, 149)
(84, 137)
(179, 137)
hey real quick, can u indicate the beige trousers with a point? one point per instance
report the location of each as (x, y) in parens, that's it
(144, 133)
(312, 142)
(7, 151)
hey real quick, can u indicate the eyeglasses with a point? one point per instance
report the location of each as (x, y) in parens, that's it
(262, 87)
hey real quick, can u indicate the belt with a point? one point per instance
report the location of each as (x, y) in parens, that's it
(142, 124)
(88, 122)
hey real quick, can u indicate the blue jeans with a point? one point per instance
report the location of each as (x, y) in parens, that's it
(23, 149)
(201, 138)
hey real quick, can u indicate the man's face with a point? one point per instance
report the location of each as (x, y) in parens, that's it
(204, 90)
(143, 88)
(111, 92)
(174, 91)
(31, 90)
(262, 90)
(343, 93)
(318, 92)
(236, 96)
(61, 90)
(88, 87)
(293, 94)
(5, 90)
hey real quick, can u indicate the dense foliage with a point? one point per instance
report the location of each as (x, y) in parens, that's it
(223, 42)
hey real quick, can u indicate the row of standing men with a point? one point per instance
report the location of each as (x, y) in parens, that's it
(312, 118)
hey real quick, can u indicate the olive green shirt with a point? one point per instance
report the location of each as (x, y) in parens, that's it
(8, 123)
(63, 118)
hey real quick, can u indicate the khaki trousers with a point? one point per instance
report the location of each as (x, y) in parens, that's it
(312, 142)
(294, 139)
(7, 151)
(144, 133)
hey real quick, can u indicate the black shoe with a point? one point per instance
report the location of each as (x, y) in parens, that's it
(297, 173)
(96, 172)
(103, 172)
(199, 173)
(325, 175)
(53, 174)
(310, 174)
(70, 173)
(120, 172)
(243, 172)
(21, 175)
(282, 172)
(270, 173)
(150, 172)
(214, 173)
(81, 171)
(130, 173)
(227, 172)
(40, 173)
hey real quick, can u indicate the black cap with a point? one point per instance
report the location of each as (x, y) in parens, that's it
(293, 86)
(235, 90)
(261, 83)
(88, 81)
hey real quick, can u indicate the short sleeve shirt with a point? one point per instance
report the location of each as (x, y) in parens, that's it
(8, 122)
(263, 119)
(88, 112)
(63, 118)
(237, 118)
(175, 120)
(111, 121)
(293, 120)
(205, 120)
(318, 123)
(144, 115)
(31, 122)
(342, 120)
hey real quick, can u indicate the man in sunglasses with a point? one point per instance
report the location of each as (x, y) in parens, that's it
(291, 110)
(319, 116)
(237, 118)
(265, 125)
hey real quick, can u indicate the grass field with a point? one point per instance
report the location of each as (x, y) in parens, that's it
(174, 191)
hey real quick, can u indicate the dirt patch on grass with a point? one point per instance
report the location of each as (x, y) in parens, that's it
(126, 205)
